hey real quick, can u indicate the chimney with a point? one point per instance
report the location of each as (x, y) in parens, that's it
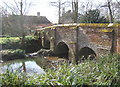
(38, 14)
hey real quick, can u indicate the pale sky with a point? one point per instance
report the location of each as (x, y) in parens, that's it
(51, 12)
(45, 9)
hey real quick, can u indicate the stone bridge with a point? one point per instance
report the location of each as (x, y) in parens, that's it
(74, 41)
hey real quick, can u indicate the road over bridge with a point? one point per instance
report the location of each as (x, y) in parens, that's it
(75, 41)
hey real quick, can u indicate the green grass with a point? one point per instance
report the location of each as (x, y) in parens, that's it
(3, 40)
(13, 42)
(103, 71)
(10, 43)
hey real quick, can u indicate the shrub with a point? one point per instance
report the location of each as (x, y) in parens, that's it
(12, 54)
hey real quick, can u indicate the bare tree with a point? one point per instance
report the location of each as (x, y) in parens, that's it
(113, 9)
(19, 9)
(118, 2)
(83, 8)
(75, 10)
(110, 10)
(60, 5)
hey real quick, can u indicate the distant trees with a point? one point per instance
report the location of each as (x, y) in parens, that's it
(75, 10)
(93, 16)
(13, 24)
(115, 7)
(88, 12)
(111, 9)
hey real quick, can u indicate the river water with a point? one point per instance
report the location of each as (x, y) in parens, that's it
(29, 65)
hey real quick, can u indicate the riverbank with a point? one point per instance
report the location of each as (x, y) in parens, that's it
(102, 72)
(11, 47)
(12, 54)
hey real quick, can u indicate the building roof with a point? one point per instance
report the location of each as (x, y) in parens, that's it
(31, 19)
(37, 19)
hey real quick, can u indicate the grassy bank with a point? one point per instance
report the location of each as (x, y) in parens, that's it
(5, 39)
(31, 44)
(104, 71)
(12, 42)
(12, 48)
(12, 54)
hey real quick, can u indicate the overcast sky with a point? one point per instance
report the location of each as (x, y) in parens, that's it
(45, 8)
(51, 12)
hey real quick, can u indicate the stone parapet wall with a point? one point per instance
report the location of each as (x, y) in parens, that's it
(94, 38)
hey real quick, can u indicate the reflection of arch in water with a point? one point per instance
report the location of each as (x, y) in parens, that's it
(47, 44)
(62, 50)
(86, 52)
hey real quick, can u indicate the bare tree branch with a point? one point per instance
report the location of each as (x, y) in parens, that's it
(60, 5)
(54, 4)
(27, 7)
(10, 7)
(118, 2)
(17, 5)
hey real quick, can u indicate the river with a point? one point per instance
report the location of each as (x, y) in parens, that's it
(29, 65)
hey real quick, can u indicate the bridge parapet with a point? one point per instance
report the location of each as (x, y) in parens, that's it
(98, 38)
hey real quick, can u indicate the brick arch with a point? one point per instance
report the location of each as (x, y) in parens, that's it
(86, 52)
(62, 50)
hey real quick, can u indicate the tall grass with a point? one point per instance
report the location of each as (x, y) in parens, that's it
(103, 71)
(11, 78)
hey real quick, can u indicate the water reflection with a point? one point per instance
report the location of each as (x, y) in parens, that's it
(28, 66)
